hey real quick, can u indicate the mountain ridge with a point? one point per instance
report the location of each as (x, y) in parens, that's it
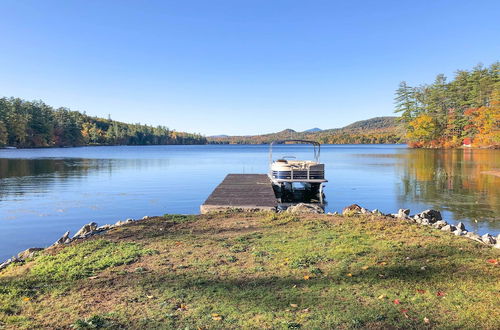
(374, 130)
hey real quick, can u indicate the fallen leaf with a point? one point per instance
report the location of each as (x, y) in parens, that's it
(382, 296)
(421, 291)
(492, 261)
(350, 275)
(216, 317)
(150, 297)
(383, 263)
(364, 267)
(426, 320)
(93, 277)
(294, 305)
(26, 299)
(396, 301)
(440, 294)
(305, 310)
(381, 275)
(405, 312)
(306, 277)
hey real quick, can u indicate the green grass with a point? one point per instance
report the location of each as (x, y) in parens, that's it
(258, 270)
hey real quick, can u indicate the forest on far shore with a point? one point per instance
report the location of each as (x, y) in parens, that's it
(28, 124)
(463, 111)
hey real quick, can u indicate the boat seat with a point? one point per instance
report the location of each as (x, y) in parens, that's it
(282, 161)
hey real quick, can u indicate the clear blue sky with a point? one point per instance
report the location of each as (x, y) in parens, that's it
(237, 67)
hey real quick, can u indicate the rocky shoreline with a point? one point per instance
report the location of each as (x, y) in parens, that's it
(430, 218)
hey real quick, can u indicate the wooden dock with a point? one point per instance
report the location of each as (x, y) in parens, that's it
(241, 191)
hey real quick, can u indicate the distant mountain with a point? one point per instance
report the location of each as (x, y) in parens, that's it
(374, 130)
(312, 130)
(373, 123)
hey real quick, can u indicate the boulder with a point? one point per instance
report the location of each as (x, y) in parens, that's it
(488, 239)
(104, 227)
(352, 209)
(377, 212)
(119, 223)
(305, 208)
(28, 253)
(459, 232)
(86, 230)
(449, 228)
(425, 222)
(146, 217)
(63, 240)
(365, 211)
(431, 215)
(473, 236)
(403, 213)
(460, 226)
(9, 261)
(439, 224)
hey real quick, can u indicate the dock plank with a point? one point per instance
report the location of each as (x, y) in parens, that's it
(245, 191)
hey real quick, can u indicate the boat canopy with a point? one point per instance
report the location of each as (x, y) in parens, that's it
(316, 146)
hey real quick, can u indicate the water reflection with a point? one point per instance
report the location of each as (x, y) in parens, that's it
(44, 192)
(460, 181)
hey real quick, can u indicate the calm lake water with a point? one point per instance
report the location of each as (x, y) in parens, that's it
(44, 192)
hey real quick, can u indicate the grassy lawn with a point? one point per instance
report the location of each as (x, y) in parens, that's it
(258, 270)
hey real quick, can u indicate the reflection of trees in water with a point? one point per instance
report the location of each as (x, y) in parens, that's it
(453, 180)
(19, 176)
(16, 174)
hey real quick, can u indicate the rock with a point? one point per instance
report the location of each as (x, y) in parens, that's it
(305, 208)
(403, 213)
(425, 222)
(431, 215)
(439, 224)
(488, 239)
(119, 223)
(9, 261)
(497, 246)
(352, 209)
(86, 230)
(105, 227)
(335, 213)
(449, 228)
(365, 211)
(377, 212)
(473, 236)
(460, 226)
(129, 220)
(459, 232)
(63, 240)
(28, 253)
(145, 217)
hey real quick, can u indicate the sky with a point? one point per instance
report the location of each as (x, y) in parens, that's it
(237, 67)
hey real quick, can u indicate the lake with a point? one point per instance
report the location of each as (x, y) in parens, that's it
(44, 192)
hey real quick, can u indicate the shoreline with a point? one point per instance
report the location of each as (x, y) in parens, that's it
(430, 218)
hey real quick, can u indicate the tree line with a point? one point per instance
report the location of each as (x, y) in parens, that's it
(36, 124)
(465, 110)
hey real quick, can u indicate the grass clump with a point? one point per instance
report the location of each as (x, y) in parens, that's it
(86, 259)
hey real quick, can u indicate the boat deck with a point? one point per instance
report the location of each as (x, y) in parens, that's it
(241, 191)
